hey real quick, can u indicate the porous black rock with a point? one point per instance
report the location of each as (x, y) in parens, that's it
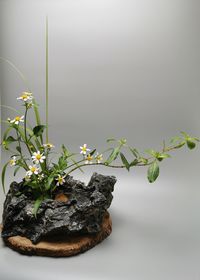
(82, 213)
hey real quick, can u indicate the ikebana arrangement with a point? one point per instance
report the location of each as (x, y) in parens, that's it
(48, 203)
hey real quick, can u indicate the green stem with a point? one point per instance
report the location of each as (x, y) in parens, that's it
(19, 143)
(47, 83)
(25, 132)
(150, 160)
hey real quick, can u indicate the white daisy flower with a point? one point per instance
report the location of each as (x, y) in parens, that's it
(48, 146)
(13, 161)
(60, 179)
(17, 120)
(32, 170)
(84, 149)
(37, 157)
(88, 159)
(99, 157)
(26, 96)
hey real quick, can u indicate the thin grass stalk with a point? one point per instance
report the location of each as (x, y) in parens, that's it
(47, 82)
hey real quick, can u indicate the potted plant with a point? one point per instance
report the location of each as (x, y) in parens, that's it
(49, 212)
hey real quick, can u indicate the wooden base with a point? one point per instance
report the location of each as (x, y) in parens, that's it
(60, 246)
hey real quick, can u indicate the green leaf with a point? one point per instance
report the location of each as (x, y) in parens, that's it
(143, 160)
(191, 145)
(196, 139)
(37, 205)
(65, 151)
(125, 161)
(160, 157)
(185, 134)
(180, 145)
(38, 130)
(134, 152)
(18, 148)
(49, 182)
(110, 140)
(16, 170)
(133, 163)
(6, 132)
(153, 172)
(11, 139)
(152, 152)
(3, 176)
(114, 154)
(92, 153)
(175, 139)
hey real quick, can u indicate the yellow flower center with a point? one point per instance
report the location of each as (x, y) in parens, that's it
(38, 156)
(84, 149)
(17, 118)
(24, 96)
(33, 169)
(49, 145)
(89, 157)
(60, 180)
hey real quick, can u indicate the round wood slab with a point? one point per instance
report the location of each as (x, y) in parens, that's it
(60, 246)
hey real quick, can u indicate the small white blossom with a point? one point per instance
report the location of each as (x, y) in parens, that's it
(88, 159)
(84, 149)
(27, 178)
(26, 96)
(13, 161)
(48, 146)
(60, 179)
(17, 120)
(32, 170)
(40, 177)
(99, 157)
(37, 157)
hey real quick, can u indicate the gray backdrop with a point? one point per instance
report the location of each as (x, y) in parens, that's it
(126, 69)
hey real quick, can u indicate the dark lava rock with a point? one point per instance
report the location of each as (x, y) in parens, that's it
(82, 212)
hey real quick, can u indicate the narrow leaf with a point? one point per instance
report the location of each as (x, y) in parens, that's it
(18, 148)
(16, 170)
(37, 205)
(49, 182)
(133, 163)
(3, 176)
(92, 153)
(134, 152)
(110, 140)
(114, 154)
(175, 139)
(11, 139)
(125, 161)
